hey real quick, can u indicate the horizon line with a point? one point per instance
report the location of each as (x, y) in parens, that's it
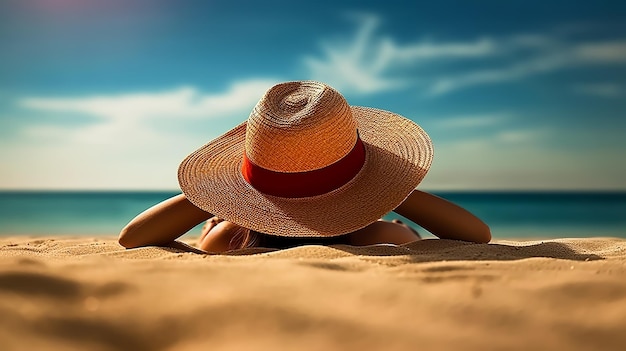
(433, 190)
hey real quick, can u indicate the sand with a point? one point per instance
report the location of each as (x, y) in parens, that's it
(91, 294)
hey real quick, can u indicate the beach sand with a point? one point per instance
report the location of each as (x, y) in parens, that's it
(91, 294)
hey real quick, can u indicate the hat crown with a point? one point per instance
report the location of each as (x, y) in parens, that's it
(300, 127)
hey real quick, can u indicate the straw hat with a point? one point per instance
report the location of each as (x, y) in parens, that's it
(306, 164)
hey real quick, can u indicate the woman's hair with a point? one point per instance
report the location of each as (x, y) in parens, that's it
(246, 238)
(241, 239)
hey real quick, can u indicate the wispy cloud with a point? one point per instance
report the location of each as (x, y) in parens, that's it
(506, 136)
(545, 59)
(133, 114)
(357, 66)
(371, 62)
(517, 136)
(605, 52)
(472, 121)
(604, 90)
(124, 146)
(367, 62)
(515, 71)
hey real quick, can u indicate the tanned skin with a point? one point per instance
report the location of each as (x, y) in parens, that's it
(163, 223)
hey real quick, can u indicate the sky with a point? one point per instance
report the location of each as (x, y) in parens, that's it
(112, 95)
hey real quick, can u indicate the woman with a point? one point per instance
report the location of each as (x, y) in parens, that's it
(306, 168)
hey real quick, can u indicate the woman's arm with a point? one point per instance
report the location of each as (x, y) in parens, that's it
(443, 218)
(162, 223)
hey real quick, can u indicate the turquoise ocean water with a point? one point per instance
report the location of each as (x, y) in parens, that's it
(509, 214)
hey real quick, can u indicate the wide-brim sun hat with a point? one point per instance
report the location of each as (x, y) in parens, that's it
(306, 164)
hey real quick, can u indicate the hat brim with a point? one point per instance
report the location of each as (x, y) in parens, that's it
(398, 155)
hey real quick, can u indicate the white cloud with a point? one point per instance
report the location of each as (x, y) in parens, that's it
(545, 59)
(356, 66)
(365, 63)
(430, 50)
(121, 106)
(122, 148)
(445, 85)
(130, 114)
(369, 62)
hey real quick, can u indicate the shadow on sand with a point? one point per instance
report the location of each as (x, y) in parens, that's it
(429, 250)
(432, 250)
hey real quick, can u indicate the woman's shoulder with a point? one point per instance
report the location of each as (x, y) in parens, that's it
(383, 232)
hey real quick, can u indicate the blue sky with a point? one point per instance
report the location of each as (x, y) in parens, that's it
(113, 94)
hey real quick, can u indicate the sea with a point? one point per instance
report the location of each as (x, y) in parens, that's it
(522, 215)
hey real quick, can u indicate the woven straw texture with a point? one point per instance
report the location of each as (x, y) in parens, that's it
(301, 126)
